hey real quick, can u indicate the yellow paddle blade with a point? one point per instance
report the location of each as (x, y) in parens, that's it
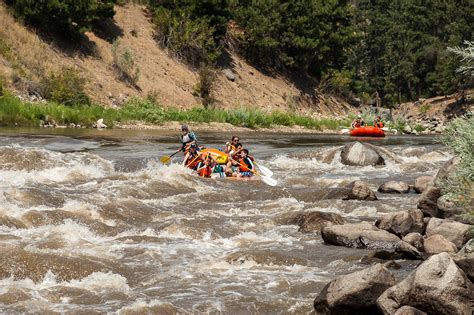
(165, 159)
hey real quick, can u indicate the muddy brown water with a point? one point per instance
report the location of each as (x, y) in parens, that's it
(91, 222)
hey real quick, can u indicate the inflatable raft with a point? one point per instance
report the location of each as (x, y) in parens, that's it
(367, 132)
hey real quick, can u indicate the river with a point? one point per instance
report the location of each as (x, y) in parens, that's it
(91, 222)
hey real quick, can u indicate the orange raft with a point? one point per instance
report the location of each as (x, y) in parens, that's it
(367, 132)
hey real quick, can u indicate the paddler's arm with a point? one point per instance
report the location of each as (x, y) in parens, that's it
(186, 157)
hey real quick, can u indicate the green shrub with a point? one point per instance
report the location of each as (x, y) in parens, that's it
(124, 64)
(459, 137)
(425, 108)
(65, 87)
(205, 85)
(62, 16)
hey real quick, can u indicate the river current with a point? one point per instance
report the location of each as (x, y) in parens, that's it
(92, 222)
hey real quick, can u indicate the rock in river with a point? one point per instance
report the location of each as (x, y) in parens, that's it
(465, 259)
(455, 232)
(394, 187)
(316, 220)
(436, 244)
(421, 183)
(358, 190)
(402, 222)
(354, 293)
(358, 154)
(437, 286)
(359, 235)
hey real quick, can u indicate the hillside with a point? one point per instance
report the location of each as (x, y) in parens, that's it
(25, 57)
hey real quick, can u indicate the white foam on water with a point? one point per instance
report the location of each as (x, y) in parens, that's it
(98, 282)
(363, 212)
(141, 306)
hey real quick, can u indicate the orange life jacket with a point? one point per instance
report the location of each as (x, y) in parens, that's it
(205, 171)
(193, 160)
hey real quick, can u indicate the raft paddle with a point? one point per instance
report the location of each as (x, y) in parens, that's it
(264, 170)
(165, 159)
(267, 180)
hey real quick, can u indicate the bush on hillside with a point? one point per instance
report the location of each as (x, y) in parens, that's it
(65, 87)
(62, 16)
(205, 85)
(124, 64)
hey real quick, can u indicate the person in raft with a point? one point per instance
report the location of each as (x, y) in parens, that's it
(231, 146)
(378, 122)
(234, 157)
(358, 122)
(187, 138)
(246, 167)
(206, 168)
(192, 157)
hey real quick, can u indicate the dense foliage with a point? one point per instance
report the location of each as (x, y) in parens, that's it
(67, 17)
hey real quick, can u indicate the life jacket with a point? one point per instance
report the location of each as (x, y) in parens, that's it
(193, 160)
(245, 165)
(357, 124)
(188, 138)
(379, 124)
(205, 171)
(229, 148)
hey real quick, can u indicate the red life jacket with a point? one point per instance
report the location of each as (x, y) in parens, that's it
(193, 161)
(379, 124)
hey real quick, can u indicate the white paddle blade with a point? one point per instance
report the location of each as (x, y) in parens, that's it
(265, 171)
(269, 181)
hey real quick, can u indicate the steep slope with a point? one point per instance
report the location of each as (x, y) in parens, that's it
(25, 55)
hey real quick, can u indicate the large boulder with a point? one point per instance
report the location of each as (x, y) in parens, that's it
(358, 154)
(455, 232)
(414, 239)
(359, 235)
(408, 310)
(354, 293)
(402, 222)
(316, 220)
(408, 251)
(421, 183)
(394, 187)
(465, 259)
(428, 202)
(358, 190)
(437, 286)
(436, 244)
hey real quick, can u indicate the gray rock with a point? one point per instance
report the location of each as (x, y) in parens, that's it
(415, 240)
(402, 222)
(354, 293)
(448, 168)
(437, 286)
(358, 190)
(407, 129)
(358, 154)
(408, 310)
(408, 250)
(229, 74)
(315, 221)
(359, 235)
(428, 201)
(455, 232)
(436, 244)
(421, 183)
(465, 259)
(394, 187)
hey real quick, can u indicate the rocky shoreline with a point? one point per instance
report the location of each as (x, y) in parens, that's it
(435, 234)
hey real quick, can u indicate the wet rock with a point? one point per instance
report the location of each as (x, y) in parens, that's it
(447, 208)
(436, 244)
(421, 183)
(315, 221)
(359, 235)
(437, 286)
(428, 201)
(455, 232)
(402, 222)
(358, 190)
(408, 251)
(358, 154)
(229, 74)
(465, 259)
(415, 240)
(394, 187)
(354, 293)
(408, 310)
